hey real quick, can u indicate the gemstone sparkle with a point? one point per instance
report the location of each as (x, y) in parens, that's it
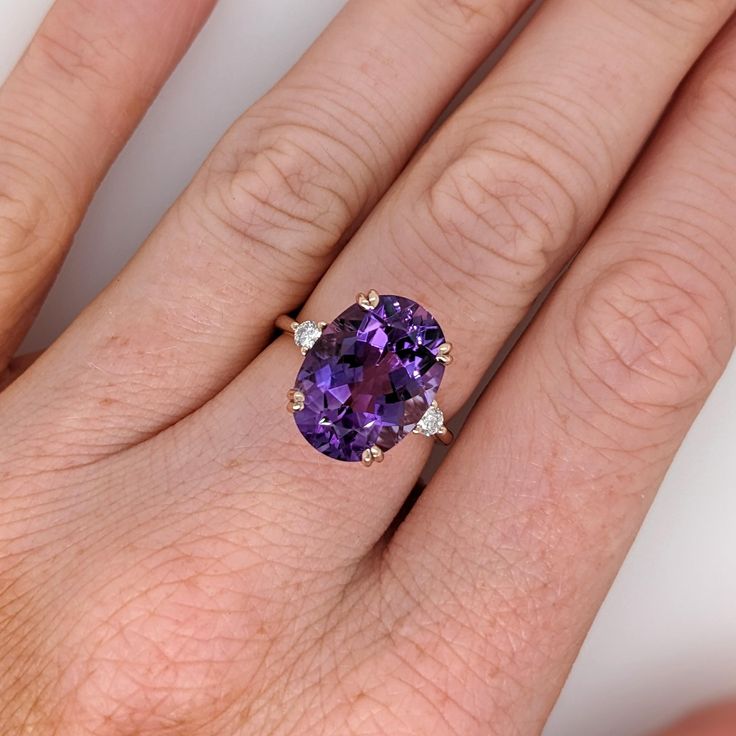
(432, 422)
(370, 378)
(306, 334)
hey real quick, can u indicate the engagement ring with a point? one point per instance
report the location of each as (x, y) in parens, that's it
(369, 378)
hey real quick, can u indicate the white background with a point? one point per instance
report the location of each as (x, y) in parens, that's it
(666, 637)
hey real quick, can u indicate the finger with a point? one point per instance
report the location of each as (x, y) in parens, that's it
(715, 721)
(17, 367)
(65, 111)
(480, 282)
(263, 218)
(508, 553)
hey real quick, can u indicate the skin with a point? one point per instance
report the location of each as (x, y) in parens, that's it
(174, 559)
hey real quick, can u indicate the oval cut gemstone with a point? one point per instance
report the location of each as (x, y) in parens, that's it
(369, 378)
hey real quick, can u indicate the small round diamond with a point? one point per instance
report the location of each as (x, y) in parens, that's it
(306, 334)
(432, 422)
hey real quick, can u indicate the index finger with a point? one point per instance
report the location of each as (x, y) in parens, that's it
(65, 112)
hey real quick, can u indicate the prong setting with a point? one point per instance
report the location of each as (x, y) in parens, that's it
(432, 424)
(368, 301)
(444, 356)
(372, 455)
(339, 376)
(296, 400)
(307, 333)
(444, 436)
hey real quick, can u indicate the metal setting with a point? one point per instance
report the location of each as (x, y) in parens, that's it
(286, 323)
(304, 348)
(296, 397)
(296, 400)
(445, 353)
(368, 302)
(372, 455)
(432, 424)
(444, 436)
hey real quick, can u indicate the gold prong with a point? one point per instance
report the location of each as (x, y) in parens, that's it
(286, 323)
(445, 436)
(444, 353)
(369, 301)
(322, 325)
(372, 455)
(296, 400)
(377, 454)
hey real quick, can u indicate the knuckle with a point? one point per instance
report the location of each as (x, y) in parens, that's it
(288, 198)
(500, 219)
(651, 332)
(67, 49)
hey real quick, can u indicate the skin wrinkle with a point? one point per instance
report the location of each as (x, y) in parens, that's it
(248, 185)
(20, 215)
(450, 210)
(469, 13)
(555, 123)
(658, 338)
(682, 16)
(346, 117)
(604, 408)
(453, 259)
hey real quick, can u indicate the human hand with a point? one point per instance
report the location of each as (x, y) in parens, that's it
(174, 558)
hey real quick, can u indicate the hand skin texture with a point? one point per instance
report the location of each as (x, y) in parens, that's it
(174, 559)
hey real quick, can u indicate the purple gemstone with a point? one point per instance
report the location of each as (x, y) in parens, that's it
(369, 378)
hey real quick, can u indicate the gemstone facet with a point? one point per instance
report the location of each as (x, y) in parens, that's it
(369, 378)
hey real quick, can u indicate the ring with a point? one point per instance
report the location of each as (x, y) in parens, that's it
(369, 378)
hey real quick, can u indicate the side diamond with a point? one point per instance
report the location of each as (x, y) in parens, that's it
(306, 334)
(432, 422)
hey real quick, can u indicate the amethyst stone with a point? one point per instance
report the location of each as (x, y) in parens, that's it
(369, 378)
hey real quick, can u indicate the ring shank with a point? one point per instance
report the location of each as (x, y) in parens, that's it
(285, 323)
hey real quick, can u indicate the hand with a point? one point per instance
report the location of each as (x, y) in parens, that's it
(174, 558)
